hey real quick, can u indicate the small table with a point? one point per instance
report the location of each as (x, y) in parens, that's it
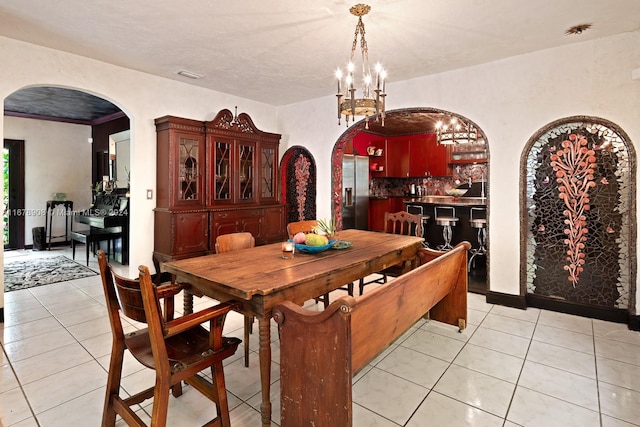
(261, 279)
(68, 212)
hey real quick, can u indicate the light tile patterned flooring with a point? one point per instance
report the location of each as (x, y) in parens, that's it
(508, 368)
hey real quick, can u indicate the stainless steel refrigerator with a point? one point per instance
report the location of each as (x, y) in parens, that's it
(355, 192)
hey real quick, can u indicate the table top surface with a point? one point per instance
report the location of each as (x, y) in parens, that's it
(263, 271)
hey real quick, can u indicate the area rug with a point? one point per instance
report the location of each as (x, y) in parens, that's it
(42, 271)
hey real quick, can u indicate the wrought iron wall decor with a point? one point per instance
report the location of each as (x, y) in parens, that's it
(579, 214)
(574, 166)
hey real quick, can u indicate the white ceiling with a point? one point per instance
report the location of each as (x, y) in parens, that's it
(285, 51)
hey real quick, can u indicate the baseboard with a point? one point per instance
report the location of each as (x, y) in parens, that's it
(634, 322)
(53, 244)
(609, 314)
(509, 300)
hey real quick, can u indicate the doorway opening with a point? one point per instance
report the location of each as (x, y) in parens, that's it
(13, 197)
(390, 185)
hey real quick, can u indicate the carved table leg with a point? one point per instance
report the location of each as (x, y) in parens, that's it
(187, 302)
(265, 368)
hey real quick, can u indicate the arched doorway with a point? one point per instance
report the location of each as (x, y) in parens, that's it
(68, 137)
(578, 219)
(413, 121)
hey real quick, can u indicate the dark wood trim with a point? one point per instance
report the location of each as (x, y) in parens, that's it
(509, 300)
(634, 322)
(603, 313)
(1, 314)
(94, 122)
(47, 118)
(16, 192)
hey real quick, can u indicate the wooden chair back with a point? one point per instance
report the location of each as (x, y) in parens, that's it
(403, 223)
(307, 226)
(397, 223)
(234, 241)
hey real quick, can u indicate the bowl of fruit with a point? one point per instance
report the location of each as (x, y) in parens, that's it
(319, 240)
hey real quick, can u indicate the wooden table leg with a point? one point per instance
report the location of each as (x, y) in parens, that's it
(187, 302)
(264, 324)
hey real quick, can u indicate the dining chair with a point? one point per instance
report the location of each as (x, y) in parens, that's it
(296, 227)
(397, 223)
(177, 350)
(308, 226)
(233, 242)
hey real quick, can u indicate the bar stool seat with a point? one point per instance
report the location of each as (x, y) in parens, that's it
(445, 217)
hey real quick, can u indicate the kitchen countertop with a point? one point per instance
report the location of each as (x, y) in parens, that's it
(448, 200)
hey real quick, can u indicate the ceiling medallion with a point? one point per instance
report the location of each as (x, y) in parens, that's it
(577, 29)
(371, 103)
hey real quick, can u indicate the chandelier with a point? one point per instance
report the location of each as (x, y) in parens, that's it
(456, 131)
(373, 92)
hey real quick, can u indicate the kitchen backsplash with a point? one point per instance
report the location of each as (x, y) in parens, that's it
(380, 187)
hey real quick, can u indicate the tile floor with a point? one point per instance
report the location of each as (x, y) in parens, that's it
(508, 368)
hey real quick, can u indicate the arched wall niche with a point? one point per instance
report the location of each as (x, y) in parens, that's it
(298, 184)
(578, 219)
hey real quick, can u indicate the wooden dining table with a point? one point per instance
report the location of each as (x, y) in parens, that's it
(260, 278)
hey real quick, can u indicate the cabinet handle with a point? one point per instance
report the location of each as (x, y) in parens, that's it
(222, 215)
(348, 196)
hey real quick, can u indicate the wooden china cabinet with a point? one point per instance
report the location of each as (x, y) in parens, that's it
(214, 178)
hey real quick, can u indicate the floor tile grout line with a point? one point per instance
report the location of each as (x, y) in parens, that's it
(24, 394)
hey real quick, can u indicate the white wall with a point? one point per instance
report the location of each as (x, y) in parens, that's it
(510, 100)
(142, 97)
(57, 160)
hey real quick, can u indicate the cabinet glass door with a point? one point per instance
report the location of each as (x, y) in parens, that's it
(188, 175)
(246, 154)
(222, 188)
(268, 166)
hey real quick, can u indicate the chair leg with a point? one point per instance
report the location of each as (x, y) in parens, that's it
(325, 300)
(248, 325)
(113, 384)
(176, 389)
(160, 403)
(220, 394)
(86, 249)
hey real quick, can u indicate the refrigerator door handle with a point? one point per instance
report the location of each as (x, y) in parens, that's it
(348, 196)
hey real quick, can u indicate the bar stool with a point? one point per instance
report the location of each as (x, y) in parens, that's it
(478, 222)
(419, 210)
(446, 218)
